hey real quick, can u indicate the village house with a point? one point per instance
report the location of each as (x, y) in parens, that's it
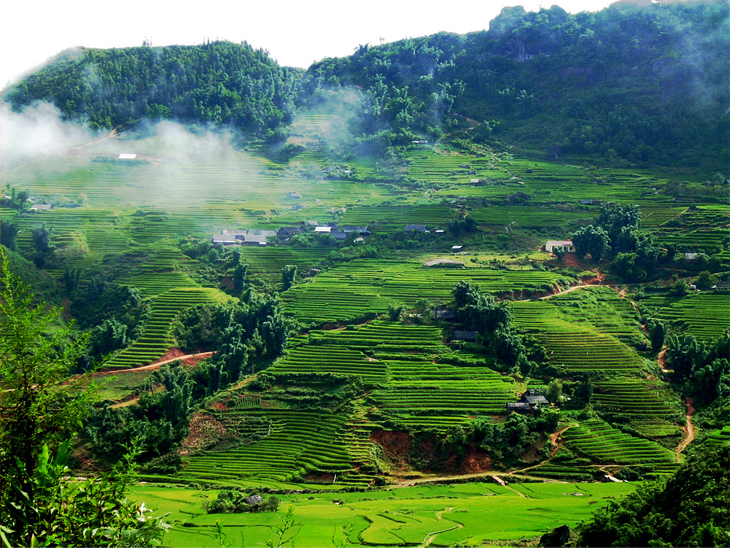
(41, 207)
(286, 232)
(415, 228)
(467, 336)
(529, 401)
(567, 245)
(253, 500)
(361, 230)
(323, 229)
(445, 314)
(243, 237)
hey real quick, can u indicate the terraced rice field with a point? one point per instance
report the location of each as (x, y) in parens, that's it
(637, 398)
(719, 437)
(331, 359)
(705, 315)
(602, 444)
(353, 290)
(575, 345)
(298, 442)
(156, 339)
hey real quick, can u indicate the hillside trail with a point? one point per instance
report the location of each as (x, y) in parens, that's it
(431, 536)
(493, 475)
(662, 360)
(155, 365)
(111, 135)
(689, 430)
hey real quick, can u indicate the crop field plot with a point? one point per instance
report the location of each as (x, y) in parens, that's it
(575, 343)
(156, 338)
(467, 514)
(390, 218)
(528, 216)
(361, 287)
(720, 436)
(267, 262)
(603, 308)
(705, 315)
(297, 443)
(637, 398)
(415, 389)
(337, 360)
(603, 444)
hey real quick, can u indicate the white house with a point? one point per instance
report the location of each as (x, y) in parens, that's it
(567, 245)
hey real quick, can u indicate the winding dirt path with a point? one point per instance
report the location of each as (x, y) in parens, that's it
(156, 365)
(75, 150)
(662, 360)
(431, 536)
(689, 430)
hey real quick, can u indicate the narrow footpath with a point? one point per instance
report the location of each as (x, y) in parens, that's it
(689, 430)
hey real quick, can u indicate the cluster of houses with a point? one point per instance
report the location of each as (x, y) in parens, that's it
(264, 237)
(260, 238)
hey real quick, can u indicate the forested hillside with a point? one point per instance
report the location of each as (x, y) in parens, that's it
(491, 268)
(644, 82)
(219, 82)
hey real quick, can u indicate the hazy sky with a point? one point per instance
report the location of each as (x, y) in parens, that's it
(295, 32)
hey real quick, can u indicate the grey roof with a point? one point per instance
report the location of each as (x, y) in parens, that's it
(518, 406)
(224, 239)
(289, 231)
(465, 335)
(444, 314)
(253, 500)
(415, 228)
(533, 398)
(360, 229)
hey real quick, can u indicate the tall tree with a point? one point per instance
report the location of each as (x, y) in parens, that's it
(8, 233)
(36, 355)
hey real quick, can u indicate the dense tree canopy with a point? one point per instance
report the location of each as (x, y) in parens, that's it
(219, 82)
(640, 81)
(691, 509)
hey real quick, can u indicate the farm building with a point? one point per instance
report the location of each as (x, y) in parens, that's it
(362, 230)
(529, 401)
(415, 228)
(567, 245)
(41, 207)
(721, 286)
(323, 229)
(243, 237)
(445, 314)
(253, 500)
(126, 156)
(286, 232)
(258, 237)
(229, 237)
(468, 336)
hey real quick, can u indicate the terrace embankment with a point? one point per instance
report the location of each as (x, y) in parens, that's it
(399, 447)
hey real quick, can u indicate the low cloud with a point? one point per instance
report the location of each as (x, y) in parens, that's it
(36, 132)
